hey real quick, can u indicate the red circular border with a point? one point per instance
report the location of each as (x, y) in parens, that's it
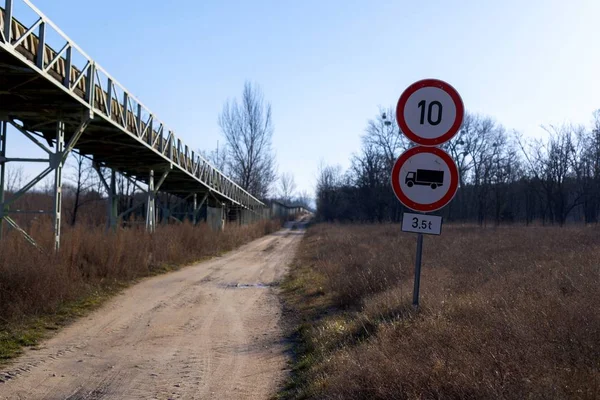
(460, 111)
(418, 206)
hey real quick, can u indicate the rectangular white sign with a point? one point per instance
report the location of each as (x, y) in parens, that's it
(421, 223)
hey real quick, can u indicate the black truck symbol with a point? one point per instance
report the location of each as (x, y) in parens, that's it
(425, 177)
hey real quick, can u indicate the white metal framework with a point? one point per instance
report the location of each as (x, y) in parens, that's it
(50, 93)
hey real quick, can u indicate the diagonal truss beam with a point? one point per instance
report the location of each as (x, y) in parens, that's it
(76, 136)
(30, 137)
(27, 236)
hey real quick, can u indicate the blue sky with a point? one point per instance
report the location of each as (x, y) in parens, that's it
(326, 66)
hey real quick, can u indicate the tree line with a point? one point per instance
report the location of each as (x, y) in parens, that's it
(503, 177)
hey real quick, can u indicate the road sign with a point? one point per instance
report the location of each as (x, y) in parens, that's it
(430, 112)
(425, 179)
(421, 223)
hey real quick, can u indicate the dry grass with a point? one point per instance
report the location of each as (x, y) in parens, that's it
(91, 264)
(508, 313)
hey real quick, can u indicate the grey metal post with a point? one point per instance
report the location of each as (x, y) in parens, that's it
(8, 13)
(194, 211)
(112, 201)
(150, 212)
(58, 165)
(223, 216)
(3, 129)
(39, 60)
(418, 270)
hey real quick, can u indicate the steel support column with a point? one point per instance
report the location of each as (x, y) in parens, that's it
(113, 199)
(223, 216)
(151, 202)
(3, 129)
(150, 210)
(8, 15)
(194, 208)
(57, 162)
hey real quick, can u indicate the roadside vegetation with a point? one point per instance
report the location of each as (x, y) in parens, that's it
(506, 312)
(39, 291)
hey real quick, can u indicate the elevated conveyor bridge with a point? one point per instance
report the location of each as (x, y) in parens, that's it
(62, 100)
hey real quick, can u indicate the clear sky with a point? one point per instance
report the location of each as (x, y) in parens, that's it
(326, 66)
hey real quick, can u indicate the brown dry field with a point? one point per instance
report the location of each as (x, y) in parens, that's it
(506, 313)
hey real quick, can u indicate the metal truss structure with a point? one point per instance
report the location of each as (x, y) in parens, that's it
(59, 94)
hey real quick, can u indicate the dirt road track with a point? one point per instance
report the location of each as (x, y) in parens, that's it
(209, 331)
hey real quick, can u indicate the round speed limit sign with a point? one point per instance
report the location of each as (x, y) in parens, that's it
(430, 112)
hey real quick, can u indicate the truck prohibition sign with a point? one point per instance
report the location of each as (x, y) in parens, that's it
(425, 177)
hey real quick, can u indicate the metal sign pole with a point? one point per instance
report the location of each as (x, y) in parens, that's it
(418, 270)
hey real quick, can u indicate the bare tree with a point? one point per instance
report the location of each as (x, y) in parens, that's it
(287, 187)
(590, 170)
(370, 174)
(82, 180)
(217, 157)
(383, 136)
(557, 164)
(15, 178)
(248, 130)
(330, 199)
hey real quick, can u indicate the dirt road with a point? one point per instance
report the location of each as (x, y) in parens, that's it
(209, 331)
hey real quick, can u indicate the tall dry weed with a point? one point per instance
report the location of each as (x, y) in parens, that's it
(32, 282)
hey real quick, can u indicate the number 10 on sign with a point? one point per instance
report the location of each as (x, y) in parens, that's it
(430, 120)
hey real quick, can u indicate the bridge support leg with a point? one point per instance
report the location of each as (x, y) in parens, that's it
(3, 128)
(224, 211)
(150, 209)
(194, 208)
(57, 163)
(151, 198)
(113, 200)
(113, 197)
